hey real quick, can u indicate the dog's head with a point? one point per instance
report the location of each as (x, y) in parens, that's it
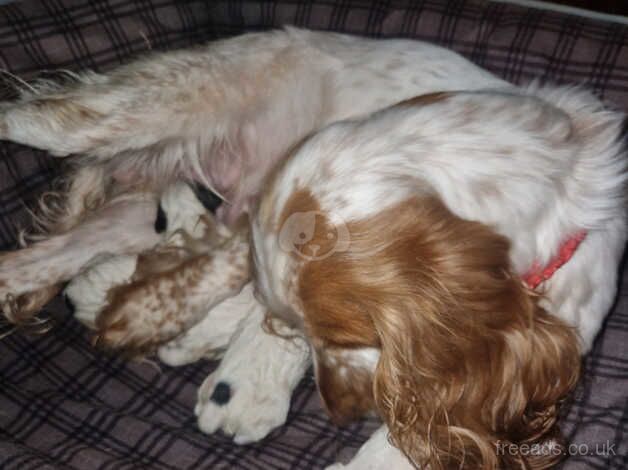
(420, 318)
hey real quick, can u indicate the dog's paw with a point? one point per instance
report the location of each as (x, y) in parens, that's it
(245, 409)
(249, 394)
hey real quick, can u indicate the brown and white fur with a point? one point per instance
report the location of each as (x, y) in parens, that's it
(225, 115)
(398, 244)
(222, 114)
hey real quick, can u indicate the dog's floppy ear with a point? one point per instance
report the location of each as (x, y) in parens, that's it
(345, 382)
(469, 363)
(469, 359)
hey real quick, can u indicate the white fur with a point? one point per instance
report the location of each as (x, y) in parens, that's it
(376, 454)
(260, 388)
(62, 256)
(162, 116)
(210, 337)
(537, 165)
(88, 291)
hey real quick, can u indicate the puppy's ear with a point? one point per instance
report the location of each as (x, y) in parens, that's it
(470, 363)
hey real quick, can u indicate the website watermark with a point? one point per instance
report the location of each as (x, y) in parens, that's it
(604, 449)
(308, 235)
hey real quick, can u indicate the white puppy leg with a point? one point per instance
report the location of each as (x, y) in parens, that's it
(249, 394)
(210, 337)
(376, 454)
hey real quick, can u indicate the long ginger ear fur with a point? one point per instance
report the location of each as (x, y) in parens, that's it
(345, 387)
(470, 363)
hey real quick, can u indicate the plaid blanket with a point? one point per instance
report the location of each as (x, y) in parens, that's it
(64, 404)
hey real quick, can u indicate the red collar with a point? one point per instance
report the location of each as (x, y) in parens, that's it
(537, 274)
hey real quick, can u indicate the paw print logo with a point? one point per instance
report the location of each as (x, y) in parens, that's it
(311, 237)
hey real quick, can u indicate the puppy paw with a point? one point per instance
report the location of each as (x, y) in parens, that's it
(245, 409)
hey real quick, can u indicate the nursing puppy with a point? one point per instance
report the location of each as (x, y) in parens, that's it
(406, 247)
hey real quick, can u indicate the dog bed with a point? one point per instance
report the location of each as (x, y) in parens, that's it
(64, 404)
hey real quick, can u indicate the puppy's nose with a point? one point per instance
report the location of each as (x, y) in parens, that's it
(210, 200)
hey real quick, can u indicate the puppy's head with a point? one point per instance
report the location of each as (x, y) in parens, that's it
(421, 318)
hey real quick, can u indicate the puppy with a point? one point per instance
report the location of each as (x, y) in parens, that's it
(144, 300)
(406, 247)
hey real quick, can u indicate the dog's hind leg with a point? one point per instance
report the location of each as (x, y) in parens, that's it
(125, 224)
(201, 114)
(82, 189)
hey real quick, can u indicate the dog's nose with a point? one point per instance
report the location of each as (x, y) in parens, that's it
(210, 200)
